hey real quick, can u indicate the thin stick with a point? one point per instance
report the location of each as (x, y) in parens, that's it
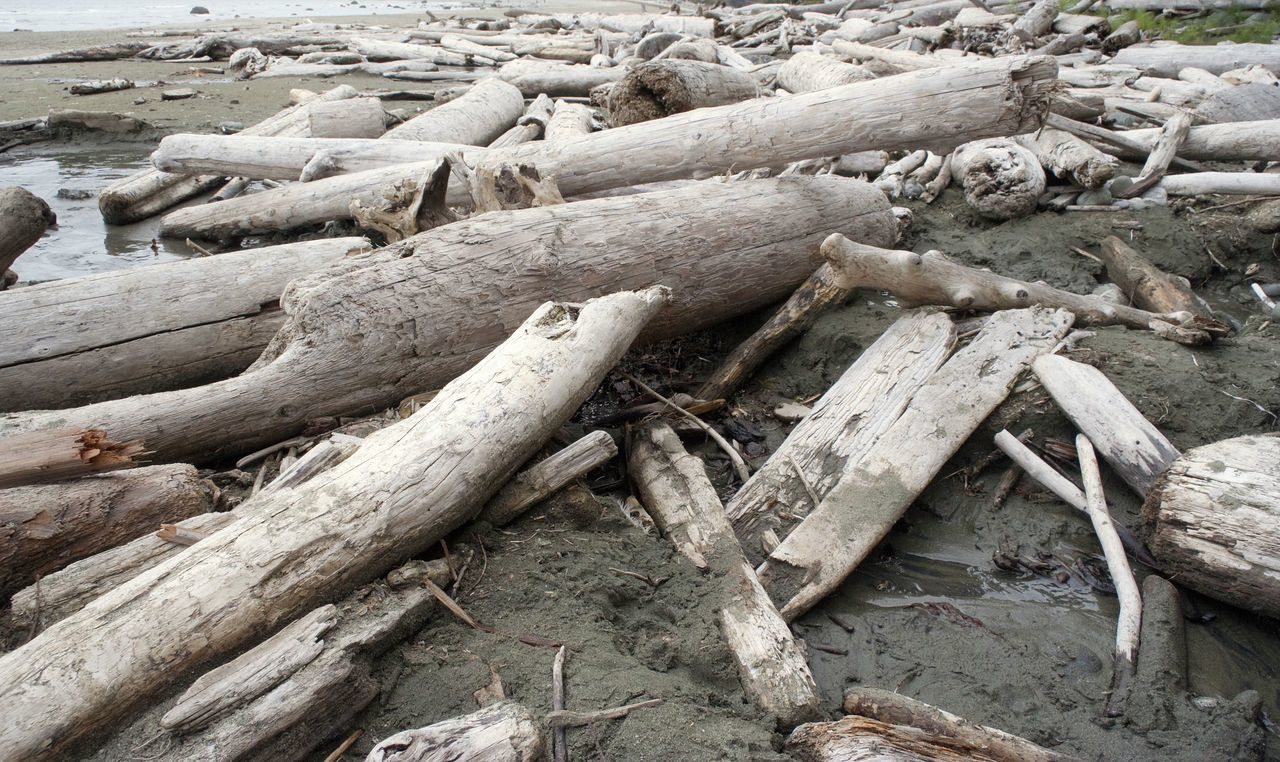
(1130, 620)
(559, 746)
(342, 749)
(808, 488)
(564, 718)
(449, 603)
(264, 452)
(739, 464)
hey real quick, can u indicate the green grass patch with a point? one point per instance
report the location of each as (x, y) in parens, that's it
(1216, 26)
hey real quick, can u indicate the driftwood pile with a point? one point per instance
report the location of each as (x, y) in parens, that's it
(514, 304)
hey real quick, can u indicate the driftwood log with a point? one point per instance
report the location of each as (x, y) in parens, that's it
(918, 438)
(361, 333)
(674, 487)
(1002, 97)
(486, 111)
(1146, 285)
(297, 547)
(502, 732)
(57, 453)
(1167, 60)
(1211, 521)
(662, 88)
(557, 79)
(545, 477)
(45, 527)
(149, 329)
(807, 71)
(150, 191)
(24, 217)
(1069, 157)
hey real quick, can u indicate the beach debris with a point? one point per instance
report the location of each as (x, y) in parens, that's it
(24, 217)
(93, 87)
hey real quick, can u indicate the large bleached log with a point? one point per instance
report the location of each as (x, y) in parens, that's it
(150, 191)
(1133, 447)
(631, 23)
(152, 328)
(291, 158)
(1004, 97)
(387, 50)
(349, 118)
(46, 527)
(676, 491)
(407, 318)
(1234, 141)
(112, 52)
(24, 217)
(502, 732)
(1069, 157)
(1229, 183)
(876, 489)
(479, 116)
(297, 547)
(58, 452)
(843, 426)
(1001, 179)
(662, 88)
(807, 71)
(1212, 517)
(556, 78)
(930, 278)
(1167, 60)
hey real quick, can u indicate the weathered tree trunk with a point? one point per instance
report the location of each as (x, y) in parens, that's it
(557, 79)
(45, 527)
(1003, 97)
(111, 52)
(297, 547)
(806, 72)
(360, 334)
(677, 493)
(502, 732)
(1211, 521)
(56, 453)
(960, 734)
(152, 328)
(1166, 147)
(470, 48)
(150, 191)
(545, 477)
(387, 50)
(24, 217)
(842, 428)
(662, 88)
(1001, 179)
(876, 489)
(1167, 60)
(350, 118)
(930, 278)
(528, 127)
(1146, 285)
(1234, 141)
(484, 113)
(569, 122)
(1230, 183)
(1130, 444)
(292, 158)
(1070, 157)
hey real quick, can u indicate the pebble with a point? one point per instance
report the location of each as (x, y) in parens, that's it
(177, 95)
(791, 411)
(1099, 197)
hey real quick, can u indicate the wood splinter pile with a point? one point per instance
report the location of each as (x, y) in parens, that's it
(526, 251)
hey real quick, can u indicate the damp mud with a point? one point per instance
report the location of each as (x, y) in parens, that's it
(930, 614)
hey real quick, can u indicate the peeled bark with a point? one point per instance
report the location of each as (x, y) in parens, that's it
(1211, 522)
(662, 88)
(676, 491)
(24, 217)
(58, 452)
(1002, 97)
(479, 116)
(150, 191)
(1001, 179)
(45, 527)
(297, 547)
(152, 328)
(376, 329)
(503, 732)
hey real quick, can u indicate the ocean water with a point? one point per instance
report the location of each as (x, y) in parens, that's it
(66, 15)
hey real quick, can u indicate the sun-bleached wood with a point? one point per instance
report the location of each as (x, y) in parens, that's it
(1130, 444)
(375, 329)
(931, 278)
(1234, 141)
(558, 79)
(389, 50)
(1004, 97)
(842, 428)
(530, 125)
(502, 732)
(1071, 158)
(45, 527)
(808, 71)
(1211, 521)
(569, 122)
(1001, 178)
(1167, 60)
(205, 318)
(674, 488)
(876, 489)
(1166, 147)
(149, 191)
(486, 111)
(541, 479)
(350, 118)
(1229, 183)
(661, 88)
(298, 547)
(862, 739)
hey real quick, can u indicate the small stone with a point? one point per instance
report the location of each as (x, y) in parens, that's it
(1157, 196)
(199, 10)
(139, 101)
(791, 411)
(74, 194)
(1099, 197)
(228, 128)
(179, 94)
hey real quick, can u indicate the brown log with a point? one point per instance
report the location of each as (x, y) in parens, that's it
(661, 88)
(545, 477)
(1212, 521)
(45, 527)
(24, 217)
(47, 456)
(1147, 286)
